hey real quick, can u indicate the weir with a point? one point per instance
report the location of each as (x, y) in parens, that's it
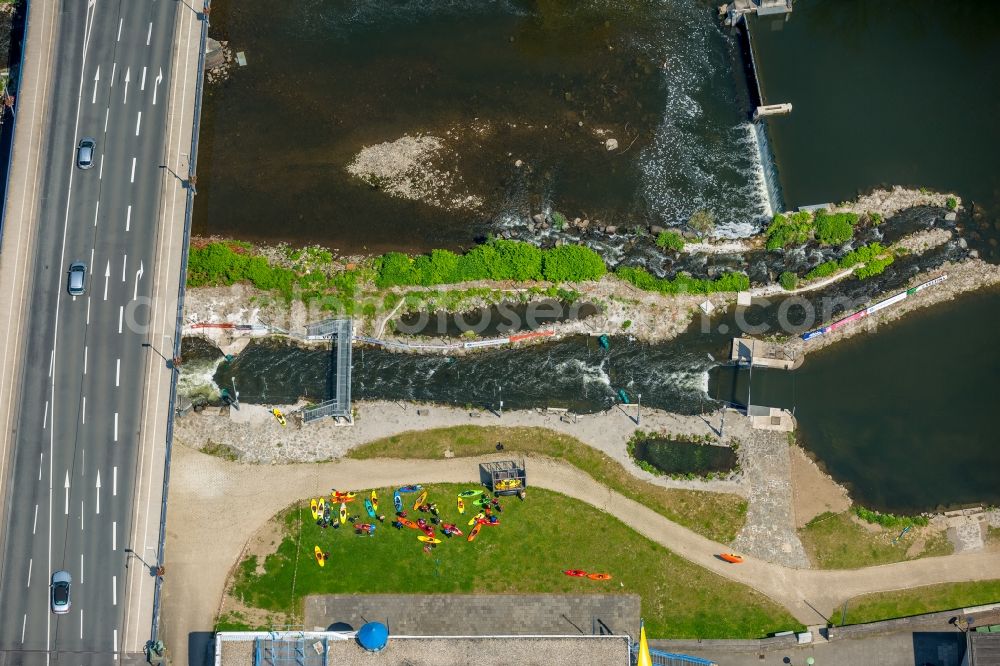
(758, 110)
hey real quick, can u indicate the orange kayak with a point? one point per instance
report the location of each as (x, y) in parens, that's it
(475, 531)
(409, 523)
(732, 558)
(599, 576)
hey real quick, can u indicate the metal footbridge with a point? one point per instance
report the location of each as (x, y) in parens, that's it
(340, 332)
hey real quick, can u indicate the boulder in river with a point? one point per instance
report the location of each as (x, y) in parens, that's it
(611, 144)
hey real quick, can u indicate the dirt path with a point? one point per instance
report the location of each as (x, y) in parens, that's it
(201, 549)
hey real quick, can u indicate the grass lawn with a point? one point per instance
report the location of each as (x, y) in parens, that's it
(718, 516)
(836, 541)
(536, 541)
(927, 599)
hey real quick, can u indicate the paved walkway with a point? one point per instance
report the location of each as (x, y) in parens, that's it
(479, 614)
(203, 548)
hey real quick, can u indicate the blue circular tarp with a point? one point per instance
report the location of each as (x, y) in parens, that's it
(373, 636)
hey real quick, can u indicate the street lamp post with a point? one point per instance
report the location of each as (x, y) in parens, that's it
(172, 363)
(154, 569)
(638, 408)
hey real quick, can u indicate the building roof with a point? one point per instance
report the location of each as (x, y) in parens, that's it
(984, 648)
(342, 649)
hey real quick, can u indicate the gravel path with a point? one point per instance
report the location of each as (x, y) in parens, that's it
(769, 532)
(201, 548)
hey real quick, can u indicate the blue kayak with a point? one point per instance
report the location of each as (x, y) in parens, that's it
(410, 489)
(397, 501)
(369, 508)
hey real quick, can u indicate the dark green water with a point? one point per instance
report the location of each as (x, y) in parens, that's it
(906, 417)
(894, 92)
(544, 82)
(684, 457)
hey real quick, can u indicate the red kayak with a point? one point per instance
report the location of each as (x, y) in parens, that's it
(448, 528)
(575, 572)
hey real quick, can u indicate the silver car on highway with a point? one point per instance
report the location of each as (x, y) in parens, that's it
(59, 600)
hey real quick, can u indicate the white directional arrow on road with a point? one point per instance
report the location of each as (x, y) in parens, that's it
(138, 276)
(97, 77)
(98, 491)
(66, 486)
(107, 276)
(159, 77)
(128, 72)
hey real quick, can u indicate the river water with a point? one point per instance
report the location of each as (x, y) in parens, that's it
(895, 93)
(546, 82)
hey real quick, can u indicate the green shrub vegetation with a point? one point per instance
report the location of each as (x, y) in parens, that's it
(226, 263)
(559, 220)
(887, 519)
(788, 280)
(872, 268)
(870, 254)
(838, 541)
(876, 218)
(682, 284)
(670, 240)
(702, 221)
(952, 203)
(496, 260)
(834, 228)
(787, 230)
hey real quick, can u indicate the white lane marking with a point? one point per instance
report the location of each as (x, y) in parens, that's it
(85, 360)
(34, 523)
(91, 261)
(81, 623)
(149, 33)
(24, 624)
(45, 417)
(138, 122)
(66, 487)
(107, 112)
(142, 85)
(88, 26)
(97, 77)
(114, 590)
(128, 76)
(118, 369)
(120, 21)
(83, 465)
(124, 262)
(52, 361)
(83, 412)
(81, 568)
(114, 66)
(114, 536)
(114, 482)
(115, 641)
(138, 276)
(98, 494)
(159, 77)
(97, 211)
(128, 217)
(41, 464)
(30, 562)
(116, 426)
(100, 176)
(107, 276)
(132, 177)
(88, 306)
(81, 516)
(121, 316)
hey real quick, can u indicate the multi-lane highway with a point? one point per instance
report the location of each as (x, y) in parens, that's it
(75, 468)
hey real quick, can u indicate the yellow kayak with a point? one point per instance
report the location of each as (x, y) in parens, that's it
(421, 498)
(478, 516)
(375, 501)
(343, 513)
(461, 505)
(314, 508)
(427, 539)
(278, 415)
(320, 556)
